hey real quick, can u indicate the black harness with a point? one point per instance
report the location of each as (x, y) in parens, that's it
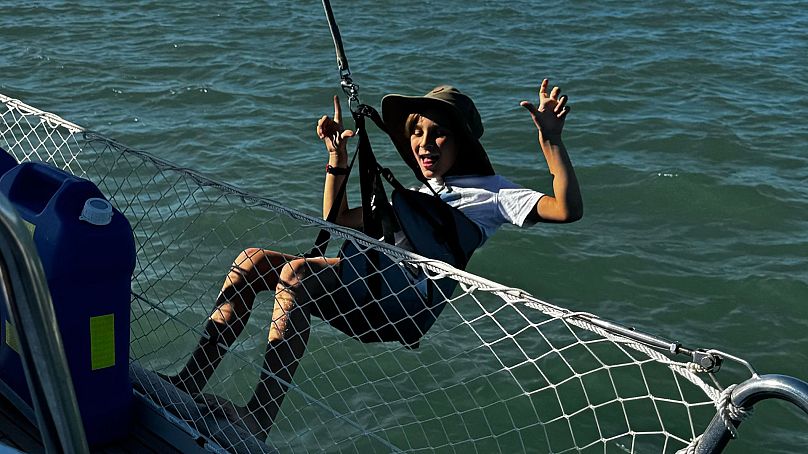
(433, 228)
(385, 306)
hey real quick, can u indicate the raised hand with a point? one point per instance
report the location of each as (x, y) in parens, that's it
(332, 132)
(552, 111)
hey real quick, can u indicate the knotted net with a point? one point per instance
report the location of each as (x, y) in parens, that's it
(499, 371)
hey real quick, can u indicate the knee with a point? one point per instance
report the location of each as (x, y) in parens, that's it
(247, 253)
(243, 273)
(255, 270)
(292, 273)
(246, 263)
(242, 283)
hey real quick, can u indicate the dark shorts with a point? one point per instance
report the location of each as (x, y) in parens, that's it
(380, 303)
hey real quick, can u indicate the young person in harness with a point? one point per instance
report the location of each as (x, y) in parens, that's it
(438, 135)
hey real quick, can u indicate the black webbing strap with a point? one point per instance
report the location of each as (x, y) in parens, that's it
(374, 201)
(324, 236)
(367, 180)
(373, 114)
(372, 193)
(445, 222)
(441, 220)
(378, 220)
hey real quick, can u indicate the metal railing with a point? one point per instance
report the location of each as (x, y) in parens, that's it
(29, 305)
(743, 397)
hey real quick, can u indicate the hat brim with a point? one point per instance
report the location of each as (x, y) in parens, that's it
(397, 108)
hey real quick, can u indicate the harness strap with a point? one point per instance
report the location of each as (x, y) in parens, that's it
(441, 221)
(324, 236)
(372, 225)
(445, 227)
(367, 180)
(374, 202)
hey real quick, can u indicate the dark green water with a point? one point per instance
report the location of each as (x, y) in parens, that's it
(688, 133)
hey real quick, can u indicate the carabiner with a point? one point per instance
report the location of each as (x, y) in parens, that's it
(351, 90)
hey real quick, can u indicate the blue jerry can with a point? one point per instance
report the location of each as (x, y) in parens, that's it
(88, 253)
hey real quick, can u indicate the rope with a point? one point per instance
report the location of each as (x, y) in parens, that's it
(696, 368)
(52, 120)
(342, 60)
(347, 84)
(729, 414)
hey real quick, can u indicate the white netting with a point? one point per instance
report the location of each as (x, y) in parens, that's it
(499, 371)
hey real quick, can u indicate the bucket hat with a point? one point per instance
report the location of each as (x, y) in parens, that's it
(458, 110)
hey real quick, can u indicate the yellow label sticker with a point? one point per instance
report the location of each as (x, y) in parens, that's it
(11, 337)
(31, 227)
(102, 341)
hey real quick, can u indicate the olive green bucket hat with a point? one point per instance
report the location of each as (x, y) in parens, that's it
(457, 109)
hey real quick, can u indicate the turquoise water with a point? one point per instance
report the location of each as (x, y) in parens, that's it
(688, 134)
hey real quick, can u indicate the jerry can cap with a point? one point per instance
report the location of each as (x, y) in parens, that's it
(96, 211)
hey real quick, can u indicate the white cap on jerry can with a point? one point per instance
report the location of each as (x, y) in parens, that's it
(96, 211)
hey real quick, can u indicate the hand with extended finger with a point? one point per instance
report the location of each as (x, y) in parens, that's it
(333, 133)
(552, 111)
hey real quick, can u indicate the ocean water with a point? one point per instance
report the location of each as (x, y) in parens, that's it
(688, 133)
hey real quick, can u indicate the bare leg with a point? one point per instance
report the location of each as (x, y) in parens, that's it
(253, 271)
(302, 281)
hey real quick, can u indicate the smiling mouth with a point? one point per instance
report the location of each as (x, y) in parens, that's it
(429, 160)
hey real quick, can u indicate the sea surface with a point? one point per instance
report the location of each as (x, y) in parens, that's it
(688, 132)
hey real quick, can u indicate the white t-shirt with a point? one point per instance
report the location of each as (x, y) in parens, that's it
(489, 201)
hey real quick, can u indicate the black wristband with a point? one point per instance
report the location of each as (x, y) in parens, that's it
(336, 170)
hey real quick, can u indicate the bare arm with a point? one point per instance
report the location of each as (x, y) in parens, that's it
(335, 137)
(565, 205)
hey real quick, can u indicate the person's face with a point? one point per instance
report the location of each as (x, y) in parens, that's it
(433, 145)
